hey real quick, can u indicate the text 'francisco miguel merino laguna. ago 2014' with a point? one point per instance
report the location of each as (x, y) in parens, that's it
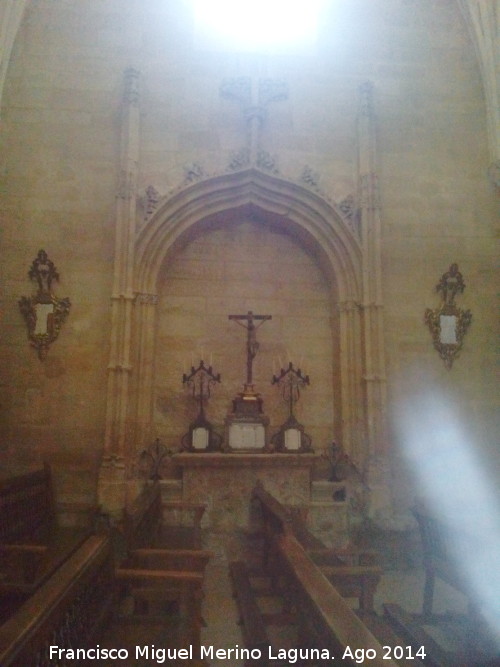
(292, 655)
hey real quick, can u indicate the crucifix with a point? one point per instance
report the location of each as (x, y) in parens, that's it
(248, 322)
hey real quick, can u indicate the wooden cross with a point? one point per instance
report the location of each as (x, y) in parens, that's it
(252, 344)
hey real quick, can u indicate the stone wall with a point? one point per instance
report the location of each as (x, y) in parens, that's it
(231, 271)
(59, 164)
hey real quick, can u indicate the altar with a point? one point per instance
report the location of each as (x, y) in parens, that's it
(225, 482)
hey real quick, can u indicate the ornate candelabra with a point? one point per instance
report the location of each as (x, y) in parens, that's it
(291, 435)
(290, 381)
(200, 382)
(155, 454)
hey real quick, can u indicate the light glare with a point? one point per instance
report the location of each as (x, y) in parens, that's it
(456, 488)
(260, 24)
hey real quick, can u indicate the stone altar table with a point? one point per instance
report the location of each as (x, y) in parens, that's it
(225, 483)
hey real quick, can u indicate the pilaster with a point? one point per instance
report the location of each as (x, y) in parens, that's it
(122, 301)
(377, 465)
(371, 305)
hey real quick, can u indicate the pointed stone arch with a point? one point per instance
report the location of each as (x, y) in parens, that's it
(314, 222)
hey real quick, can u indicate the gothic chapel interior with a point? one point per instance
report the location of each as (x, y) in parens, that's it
(225, 265)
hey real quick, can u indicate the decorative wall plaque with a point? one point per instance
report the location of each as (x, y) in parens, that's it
(43, 312)
(448, 324)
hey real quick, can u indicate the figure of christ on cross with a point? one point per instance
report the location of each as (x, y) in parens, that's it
(247, 321)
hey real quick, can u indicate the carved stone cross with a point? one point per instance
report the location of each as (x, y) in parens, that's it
(254, 96)
(252, 344)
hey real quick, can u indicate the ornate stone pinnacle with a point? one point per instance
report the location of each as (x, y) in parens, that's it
(366, 98)
(131, 92)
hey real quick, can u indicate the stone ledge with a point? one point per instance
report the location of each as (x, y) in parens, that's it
(233, 460)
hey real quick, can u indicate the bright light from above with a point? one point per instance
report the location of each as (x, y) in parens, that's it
(259, 25)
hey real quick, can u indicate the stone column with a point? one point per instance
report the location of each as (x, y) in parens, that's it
(483, 19)
(112, 474)
(146, 313)
(350, 372)
(11, 14)
(377, 468)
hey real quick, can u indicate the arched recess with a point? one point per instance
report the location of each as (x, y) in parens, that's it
(317, 224)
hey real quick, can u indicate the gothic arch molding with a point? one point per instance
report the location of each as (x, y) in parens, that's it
(316, 223)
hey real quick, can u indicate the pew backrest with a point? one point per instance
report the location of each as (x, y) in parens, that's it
(326, 619)
(32, 544)
(444, 545)
(27, 509)
(68, 610)
(142, 520)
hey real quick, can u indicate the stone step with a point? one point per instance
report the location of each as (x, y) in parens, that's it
(323, 491)
(171, 489)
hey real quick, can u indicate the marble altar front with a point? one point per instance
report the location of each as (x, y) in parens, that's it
(225, 483)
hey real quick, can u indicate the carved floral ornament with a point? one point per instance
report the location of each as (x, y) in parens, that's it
(43, 312)
(448, 324)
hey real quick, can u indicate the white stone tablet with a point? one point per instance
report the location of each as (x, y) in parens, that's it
(247, 436)
(447, 324)
(292, 439)
(200, 438)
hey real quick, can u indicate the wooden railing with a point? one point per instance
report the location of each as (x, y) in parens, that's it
(68, 610)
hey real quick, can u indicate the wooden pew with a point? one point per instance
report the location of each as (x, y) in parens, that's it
(144, 523)
(69, 609)
(154, 573)
(439, 544)
(75, 609)
(32, 544)
(251, 620)
(325, 620)
(354, 573)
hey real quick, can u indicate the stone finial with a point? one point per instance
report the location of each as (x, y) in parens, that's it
(131, 92)
(366, 98)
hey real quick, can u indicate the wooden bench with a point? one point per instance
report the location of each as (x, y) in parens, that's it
(155, 570)
(440, 544)
(251, 620)
(69, 609)
(76, 608)
(145, 524)
(32, 544)
(325, 620)
(354, 573)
